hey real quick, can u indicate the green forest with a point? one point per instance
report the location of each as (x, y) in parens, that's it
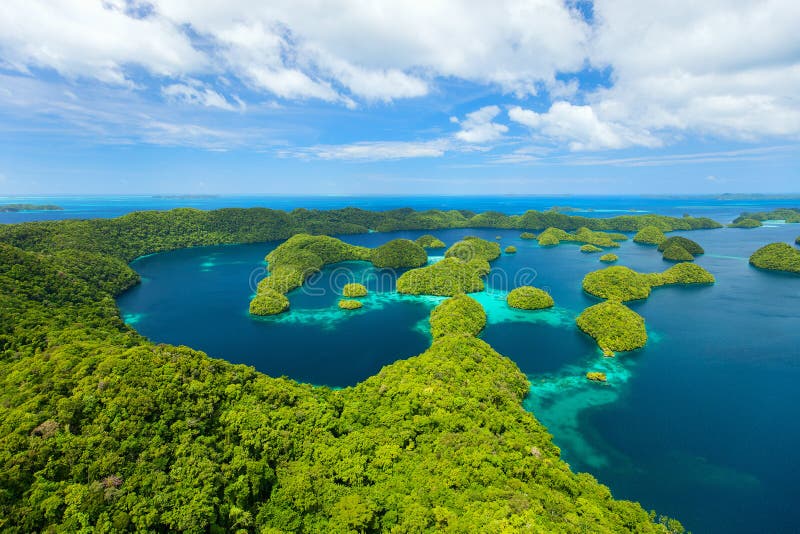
(104, 431)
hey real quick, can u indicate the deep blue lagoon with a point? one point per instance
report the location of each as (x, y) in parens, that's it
(701, 424)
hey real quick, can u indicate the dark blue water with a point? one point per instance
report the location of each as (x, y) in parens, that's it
(85, 207)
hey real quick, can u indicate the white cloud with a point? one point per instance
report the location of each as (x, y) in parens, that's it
(478, 127)
(197, 94)
(84, 38)
(375, 150)
(580, 128)
(729, 69)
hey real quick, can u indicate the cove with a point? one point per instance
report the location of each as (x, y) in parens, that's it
(700, 424)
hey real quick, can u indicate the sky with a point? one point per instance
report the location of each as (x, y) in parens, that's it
(395, 97)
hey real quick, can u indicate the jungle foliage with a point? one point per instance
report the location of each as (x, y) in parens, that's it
(470, 248)
(399, 254)
(650, 235)
(529, 298)
(692, 247)
(789, 215)
(348, 304)
(460, 314)
(614, 326)
(777, 257)
(104, 431)
(745, 223)
(609, 257)
(354, 290)
(675, 252)
(448, 277)
(429, 241)
(623, 283)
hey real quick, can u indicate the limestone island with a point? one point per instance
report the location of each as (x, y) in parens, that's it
(529, 298)
(347, 304)
(777, 257)
(429, 241)
(596, 376)
(269, 302)
(609, 257)
(614, 326)
(692, 247)
(649, 235)
(746, 222)
(589, 249)
(623, 283)
(460, 314)
(510, 249)
(12, 208)
(676, 252)
(399, 254)
(527, 235)
(354, 290)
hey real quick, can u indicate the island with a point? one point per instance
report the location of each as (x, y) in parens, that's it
(789, 215)
(596, 376)
(777, 257)
(429, 241)
(472, 247)
(614, 326)
(623, 283)
(399, 254)
(588, 249)
(457, 315)
(448, 277)
(746, 222)
(347, 304)
(650, 235)
(553, 236)
(692, 247)
(675, 252)
(269, 302)
(354, 290)
(529, 298)
(609, 257)
(12, 208)
(510, 249)
(527, 235)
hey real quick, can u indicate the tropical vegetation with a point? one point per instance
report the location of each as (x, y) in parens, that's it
(460, 314)
(614, 326)
(354, 290)
(692, 247)
(448, 277)
(471, 247)
(529, 298)
(527, 235)
(777, 257)
(609, 257)
(745, 223)
(269, 302)
(429, 241)
(510, 249)
(590, 249)
(103, 431)
(676, 252)
(623, 283)
(650, 235)
(789, 215)
(398, 254)
(348, 304)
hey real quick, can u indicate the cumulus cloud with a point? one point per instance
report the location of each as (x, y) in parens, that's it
(478, 127)
(580, 128)
(79, 38)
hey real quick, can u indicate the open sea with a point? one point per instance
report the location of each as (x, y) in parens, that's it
(702, 424)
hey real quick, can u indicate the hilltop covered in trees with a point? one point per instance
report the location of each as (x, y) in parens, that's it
(145, 232)
(102, 430)
(777, 257)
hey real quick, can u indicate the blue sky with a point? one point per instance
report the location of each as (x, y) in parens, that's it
(447, 97)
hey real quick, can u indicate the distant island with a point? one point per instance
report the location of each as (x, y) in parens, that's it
(185, 197)
(11, 208)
